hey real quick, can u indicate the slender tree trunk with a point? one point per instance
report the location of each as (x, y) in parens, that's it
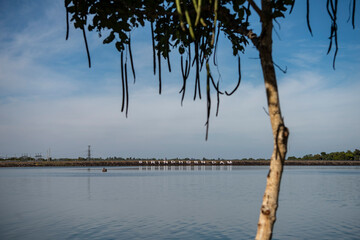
(280, 132)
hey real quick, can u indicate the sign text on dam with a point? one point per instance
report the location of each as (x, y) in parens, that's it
(186, 162)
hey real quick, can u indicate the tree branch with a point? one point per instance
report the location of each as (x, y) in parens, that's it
(255, 7)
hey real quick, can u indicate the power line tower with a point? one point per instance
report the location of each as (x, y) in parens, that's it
(89, 153)
(48, 154)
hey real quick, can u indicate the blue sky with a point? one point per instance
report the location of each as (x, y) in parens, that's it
(50, 99)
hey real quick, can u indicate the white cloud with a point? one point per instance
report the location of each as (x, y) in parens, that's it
(50, 99)
(321, 116)
(22, 78)
(157, 125)
(302, 59)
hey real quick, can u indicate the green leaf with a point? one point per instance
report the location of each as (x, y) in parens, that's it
(181, 50)
(110, 38)
(119, 46)
(277, 14)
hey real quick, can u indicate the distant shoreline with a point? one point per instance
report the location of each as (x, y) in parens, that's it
(106, 163)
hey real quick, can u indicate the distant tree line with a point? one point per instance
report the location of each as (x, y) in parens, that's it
(348, 155)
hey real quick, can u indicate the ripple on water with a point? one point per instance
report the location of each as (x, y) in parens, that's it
(73, 203)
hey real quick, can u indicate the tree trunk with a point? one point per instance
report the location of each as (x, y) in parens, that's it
(280, 132)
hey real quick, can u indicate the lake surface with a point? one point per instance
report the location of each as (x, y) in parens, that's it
(212, 202)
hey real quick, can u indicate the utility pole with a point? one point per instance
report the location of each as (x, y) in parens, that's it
(89, 153)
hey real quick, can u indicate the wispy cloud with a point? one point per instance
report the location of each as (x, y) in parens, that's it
(319, 114)
(49, 98)
(157, 125)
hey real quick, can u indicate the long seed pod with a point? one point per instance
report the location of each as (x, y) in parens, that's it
(188, 20)
(202, 53)
(292, 7)
(183, 73)
(126, 92)
(187, 67)
(216, 44)
(159, 62)
(153, 46)
(198, 11)
(335, 33)
(216, 86)
(239, 80)
(197, 76)
(131, 59)
(336, 49)
(218, 99)
(189, 55)
(308, 16)
(195, 5)
(215, 20)
(218, 92)
(178, 8)
(168, 62)
(332, 11)
(332, 5)
(353, 15)
(330, 44)
(67, 24)
(208, 97)
(86, 45)
(328, 9)
(182, 90)
(201, 49)
(194, 60)
(122, 81)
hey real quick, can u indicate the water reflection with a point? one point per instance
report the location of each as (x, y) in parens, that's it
(175, 202)
(186, 168)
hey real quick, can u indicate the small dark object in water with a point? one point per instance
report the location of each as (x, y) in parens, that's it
(104, 170)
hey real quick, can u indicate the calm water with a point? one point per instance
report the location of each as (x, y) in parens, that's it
(175, 203)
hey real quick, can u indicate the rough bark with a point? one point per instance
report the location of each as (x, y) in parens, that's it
(269, 205)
